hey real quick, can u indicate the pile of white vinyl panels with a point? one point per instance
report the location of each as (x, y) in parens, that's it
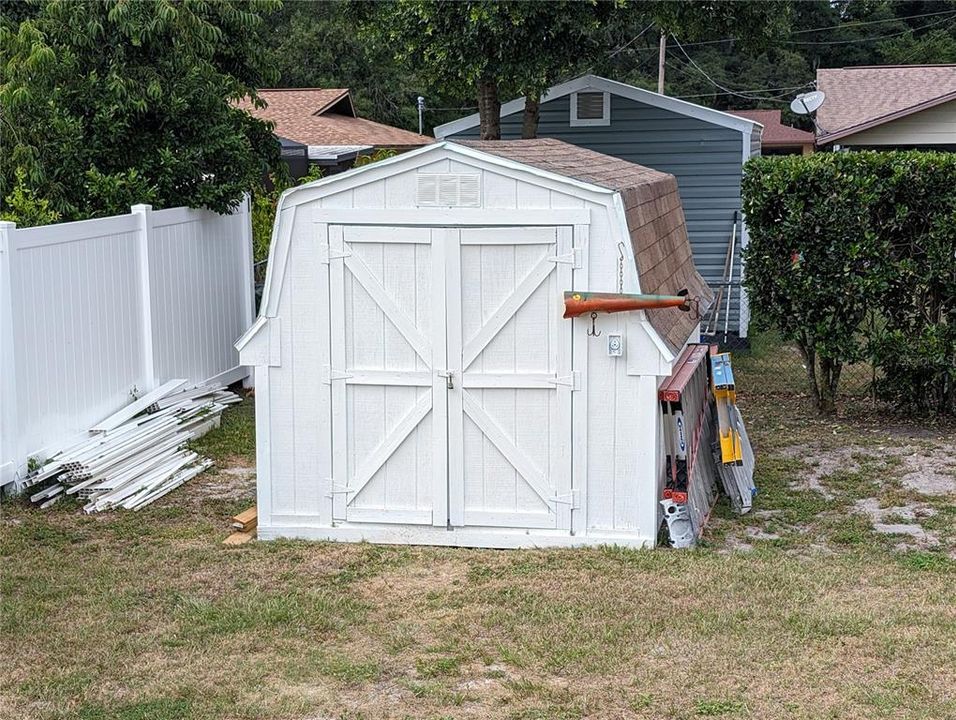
(138, 454)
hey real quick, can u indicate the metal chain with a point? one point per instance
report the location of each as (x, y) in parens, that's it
(620, 268)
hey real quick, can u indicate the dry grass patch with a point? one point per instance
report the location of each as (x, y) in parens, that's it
(146, 616)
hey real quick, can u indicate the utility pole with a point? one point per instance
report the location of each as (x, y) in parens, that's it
(660, 62)
(421, 112)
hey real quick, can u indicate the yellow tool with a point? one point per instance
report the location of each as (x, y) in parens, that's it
(725, 395)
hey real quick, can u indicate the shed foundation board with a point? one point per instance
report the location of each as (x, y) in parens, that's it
(495, 538)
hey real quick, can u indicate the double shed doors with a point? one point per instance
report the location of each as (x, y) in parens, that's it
(451, 375)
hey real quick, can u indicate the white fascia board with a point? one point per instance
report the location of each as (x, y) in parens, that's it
(622, 234)
(335, 152)
(248, 336)
(385, 168)
(259, 345)
(620, 212)
(278, 257)
(514, 165)
(661, 345)
(348, 179)
(595, 82)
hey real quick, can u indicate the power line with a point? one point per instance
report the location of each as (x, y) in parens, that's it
(873, 22)
(746, 94)
(629, 42)
(834, 27)
(869, 39)
(743, 94)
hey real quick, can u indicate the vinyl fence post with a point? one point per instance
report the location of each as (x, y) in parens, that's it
(248, 274)
(145, 213)
(9, 427)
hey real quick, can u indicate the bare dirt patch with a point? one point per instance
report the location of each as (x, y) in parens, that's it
(927, 469)
(821, 464)
(228, 483)
(900, 520)
(931, 472)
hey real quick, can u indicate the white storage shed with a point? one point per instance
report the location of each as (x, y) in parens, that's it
(415, 379)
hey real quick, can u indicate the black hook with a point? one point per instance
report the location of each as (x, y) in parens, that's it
(593, 332)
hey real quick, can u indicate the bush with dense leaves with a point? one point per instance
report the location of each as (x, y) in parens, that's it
(838, 237)
(111, 103)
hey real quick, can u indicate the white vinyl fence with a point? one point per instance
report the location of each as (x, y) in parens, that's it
(92, 312)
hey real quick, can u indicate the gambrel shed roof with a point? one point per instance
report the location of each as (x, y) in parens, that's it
(645, 204)
(655, 220)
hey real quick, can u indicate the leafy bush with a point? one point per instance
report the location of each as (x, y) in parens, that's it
(104, 101)
(264, 204)
(837, 236)
(23, 207)
(264, 201)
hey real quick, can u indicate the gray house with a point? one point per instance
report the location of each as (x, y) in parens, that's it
(704, 149)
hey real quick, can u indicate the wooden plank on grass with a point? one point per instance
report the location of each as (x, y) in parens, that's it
(237, 538)
(246, 520)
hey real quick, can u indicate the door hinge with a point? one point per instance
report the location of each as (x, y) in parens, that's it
(328, 375)
(572, 498)
(338, 489)
(328, 254)
(572, 381)
(572, 258)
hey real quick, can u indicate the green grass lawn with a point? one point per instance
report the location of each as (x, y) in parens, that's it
(800, 610)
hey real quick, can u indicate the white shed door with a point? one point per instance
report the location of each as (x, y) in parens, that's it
(509, 418)
(451, 375)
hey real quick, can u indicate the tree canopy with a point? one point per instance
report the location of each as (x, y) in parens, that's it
(745, 54)
(111, 103)
(488, 49)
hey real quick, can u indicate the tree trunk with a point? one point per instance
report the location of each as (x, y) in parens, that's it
(489, 110)
(829, 382)
(529, 126)
(810, 363)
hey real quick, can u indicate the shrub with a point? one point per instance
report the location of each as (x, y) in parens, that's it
(835, 236)
(23, 207)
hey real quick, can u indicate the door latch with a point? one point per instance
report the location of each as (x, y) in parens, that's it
(449, 379)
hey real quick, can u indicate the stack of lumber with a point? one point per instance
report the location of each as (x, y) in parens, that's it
(138, 454)
(245, 526)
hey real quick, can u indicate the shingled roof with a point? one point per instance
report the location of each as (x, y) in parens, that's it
(326, 116)
(858, 98)
(775, 133)
(655, 221)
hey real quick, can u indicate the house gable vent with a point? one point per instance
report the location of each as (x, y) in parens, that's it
(448, 190)
(590, 107)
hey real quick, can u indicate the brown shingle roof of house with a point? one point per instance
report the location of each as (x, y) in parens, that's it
(324, 116)
(858, 98)
(775, 133)
(655, 220)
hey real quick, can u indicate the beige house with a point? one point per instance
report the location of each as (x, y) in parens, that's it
(883, 107)
(777, 138)
(322, 126)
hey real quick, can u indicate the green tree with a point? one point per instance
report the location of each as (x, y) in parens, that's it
(109, 102)
(493, 48)
(315, 44)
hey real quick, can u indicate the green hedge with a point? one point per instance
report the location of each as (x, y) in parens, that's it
(836, 238)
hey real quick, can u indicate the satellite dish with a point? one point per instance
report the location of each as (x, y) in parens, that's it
(806, 103)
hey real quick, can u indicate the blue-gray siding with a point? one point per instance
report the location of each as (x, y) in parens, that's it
(706, 159)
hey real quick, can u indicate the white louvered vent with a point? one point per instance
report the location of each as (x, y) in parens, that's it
(448, 190)
(590, 105)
